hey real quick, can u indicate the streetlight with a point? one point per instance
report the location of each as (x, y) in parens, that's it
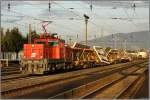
(86, 22)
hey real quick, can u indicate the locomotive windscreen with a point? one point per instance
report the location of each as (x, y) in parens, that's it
(40, 42)
(53, 43)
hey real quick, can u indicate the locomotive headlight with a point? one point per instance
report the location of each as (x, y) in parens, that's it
(32, 45)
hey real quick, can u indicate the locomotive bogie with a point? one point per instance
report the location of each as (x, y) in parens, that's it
(34, 66)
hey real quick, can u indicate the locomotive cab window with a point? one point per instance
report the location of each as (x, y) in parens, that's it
(53, 43)
(41, 42)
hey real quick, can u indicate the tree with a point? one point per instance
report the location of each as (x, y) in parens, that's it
(2, 32)
(34, 35)
(12, 41)
(5, 43)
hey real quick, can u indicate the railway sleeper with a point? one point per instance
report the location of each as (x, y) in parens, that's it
(74, 93)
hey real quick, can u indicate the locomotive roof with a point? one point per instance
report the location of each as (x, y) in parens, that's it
(49, 38)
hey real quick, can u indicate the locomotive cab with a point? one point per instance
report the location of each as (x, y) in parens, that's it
(53, 46)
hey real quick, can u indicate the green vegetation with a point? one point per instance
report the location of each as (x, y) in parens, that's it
(33, 35)
(12, 40)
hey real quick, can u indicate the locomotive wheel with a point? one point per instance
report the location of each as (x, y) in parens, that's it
(68, 67)
(40, 70)
(24, 69)
(34, 69)
(52, 68)
(64, 67)
(85, 65)
(29, 69)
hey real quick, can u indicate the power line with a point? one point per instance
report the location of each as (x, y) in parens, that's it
(132, 22)
(75, 13)
(34, 18)
(67, 9)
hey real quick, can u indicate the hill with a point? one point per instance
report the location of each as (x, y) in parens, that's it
(133, 40)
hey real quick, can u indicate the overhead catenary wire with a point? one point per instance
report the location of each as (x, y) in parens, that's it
(81, 17)
(90, 21)
(75, 13)
(132, 22)
(35, 18)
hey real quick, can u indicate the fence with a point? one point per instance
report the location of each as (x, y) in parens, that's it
(11, 56)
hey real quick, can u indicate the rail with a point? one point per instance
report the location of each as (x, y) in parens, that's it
(85, 91)
(26, 86)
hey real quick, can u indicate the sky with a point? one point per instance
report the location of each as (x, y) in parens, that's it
(106, 17)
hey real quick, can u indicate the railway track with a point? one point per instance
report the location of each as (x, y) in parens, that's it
(10, 70)
(118, 88)
(16, 77)
(120, 85)
(11, 89)
(13, 77)
(10, 76)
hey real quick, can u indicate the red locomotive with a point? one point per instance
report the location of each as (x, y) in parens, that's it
(47, 53)
(49, 47)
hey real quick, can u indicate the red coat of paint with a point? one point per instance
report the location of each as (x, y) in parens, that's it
(47, 48)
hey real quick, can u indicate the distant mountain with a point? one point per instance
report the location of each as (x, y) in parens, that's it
(132, 40)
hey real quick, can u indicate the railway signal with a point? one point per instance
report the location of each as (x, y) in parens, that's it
(8, 6)
(134, 6)
(49, 7)
(70, 40)
(91, 6)
(86, 22)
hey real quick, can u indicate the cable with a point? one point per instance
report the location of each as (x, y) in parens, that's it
(132, 22)
(34, 18)
(75, 13)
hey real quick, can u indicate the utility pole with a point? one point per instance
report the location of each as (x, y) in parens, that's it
(125, 44)
(0, 42)
(70, 40)
(30, 35)
(102, 37)
(86, 22)
(114, 41)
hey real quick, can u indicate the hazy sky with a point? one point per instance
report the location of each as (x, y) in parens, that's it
(67, 17)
